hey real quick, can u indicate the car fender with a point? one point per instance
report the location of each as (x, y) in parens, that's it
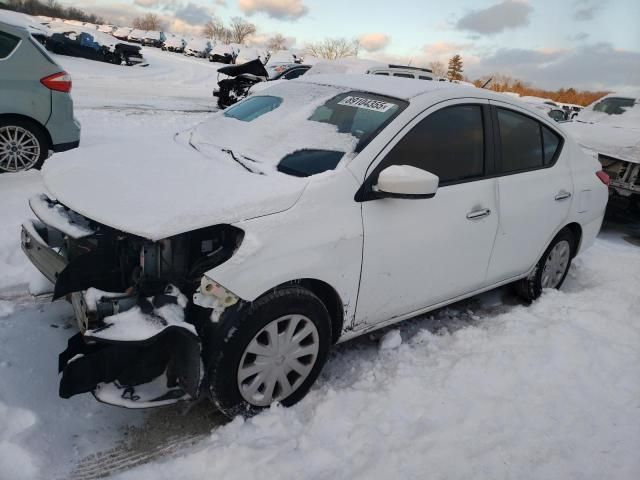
(319, 238)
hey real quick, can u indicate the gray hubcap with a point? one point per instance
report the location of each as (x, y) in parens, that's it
(556, 264)
(19, 149)
(278, 360)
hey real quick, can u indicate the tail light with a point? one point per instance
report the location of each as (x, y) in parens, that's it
(60, 82)
(604, 178)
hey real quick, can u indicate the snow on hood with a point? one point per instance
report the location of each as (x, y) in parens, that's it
(616, 135)
(159, 188)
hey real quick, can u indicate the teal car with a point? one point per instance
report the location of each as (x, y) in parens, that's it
(36, 109)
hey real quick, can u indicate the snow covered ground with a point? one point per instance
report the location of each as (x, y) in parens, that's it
(488, 388)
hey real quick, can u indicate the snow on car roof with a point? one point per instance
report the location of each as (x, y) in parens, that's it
(22, 20)
(102, 38)
(404, 88)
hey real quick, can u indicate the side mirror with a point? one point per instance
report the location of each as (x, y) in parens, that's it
(405, 181)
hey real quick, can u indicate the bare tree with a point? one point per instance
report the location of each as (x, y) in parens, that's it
(150, 21)
(240, 29)
(333, 48)
(216, 29)
(438, 68)
(277, 42)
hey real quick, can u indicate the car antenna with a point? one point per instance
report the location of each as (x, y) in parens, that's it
(486, 83)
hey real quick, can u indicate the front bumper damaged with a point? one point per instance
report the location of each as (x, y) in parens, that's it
(134, 349)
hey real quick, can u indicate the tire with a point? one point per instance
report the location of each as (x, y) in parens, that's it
(291, 311)
(29, 141)
(557, 260)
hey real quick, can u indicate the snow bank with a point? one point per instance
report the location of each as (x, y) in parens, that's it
(15, 190)
(546, 391)
(16, 462)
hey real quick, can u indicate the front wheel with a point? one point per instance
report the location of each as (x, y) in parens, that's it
(273, 351)
(552, 268)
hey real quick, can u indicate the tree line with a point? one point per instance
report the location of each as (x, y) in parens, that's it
(50, 8)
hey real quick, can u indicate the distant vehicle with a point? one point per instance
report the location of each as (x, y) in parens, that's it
(237, 80)
(558, 114)
(94, 46)
(136, 35)
(38, 30)
(122, 33)
(572, 110)
(609, 130)
(277, 73)
(198, 47)
(174, 44)
(404, 71)
(153, 38)
(325, 209)
(36, 110)
(549, 107)
(106, 28)
(223, 53)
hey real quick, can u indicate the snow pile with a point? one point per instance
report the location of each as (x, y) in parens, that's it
(15, 190)
(391, 340)
(16, 462)
(545, 391)
(6, 308)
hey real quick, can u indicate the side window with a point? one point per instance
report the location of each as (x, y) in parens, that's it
(381, 73)
(521, 141)
(550, 144)
(403, 75)
(448, 143)
(425, 78)
(8, 43)
(294, 73)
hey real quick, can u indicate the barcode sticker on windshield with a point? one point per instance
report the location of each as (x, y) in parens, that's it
(368, 103)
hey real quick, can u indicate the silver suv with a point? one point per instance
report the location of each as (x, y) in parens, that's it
(36, 109)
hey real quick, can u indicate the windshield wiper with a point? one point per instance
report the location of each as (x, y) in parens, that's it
(248, 169)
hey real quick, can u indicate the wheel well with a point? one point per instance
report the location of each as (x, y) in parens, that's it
(576, 230)
(24, 118)
(327, 295)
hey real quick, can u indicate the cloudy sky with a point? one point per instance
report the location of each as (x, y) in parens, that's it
(550, 43)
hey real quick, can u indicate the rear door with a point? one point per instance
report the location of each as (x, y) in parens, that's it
(535, 189)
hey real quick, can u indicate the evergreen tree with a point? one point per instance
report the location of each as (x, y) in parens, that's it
(455, 69)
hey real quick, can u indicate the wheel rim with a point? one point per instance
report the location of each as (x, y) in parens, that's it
(278, 359)
(19, 149)
(556, 264)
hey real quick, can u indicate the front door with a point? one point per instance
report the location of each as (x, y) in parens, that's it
(420, 252)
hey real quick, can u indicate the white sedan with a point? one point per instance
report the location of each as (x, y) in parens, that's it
(231, 260)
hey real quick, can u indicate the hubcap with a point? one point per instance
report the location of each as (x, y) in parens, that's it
(19, 149)
(278, 360)
(556, 264)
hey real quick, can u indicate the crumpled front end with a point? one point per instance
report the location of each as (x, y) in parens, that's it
(139, 343)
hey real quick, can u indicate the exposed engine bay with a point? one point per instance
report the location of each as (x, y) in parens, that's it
(140, 332)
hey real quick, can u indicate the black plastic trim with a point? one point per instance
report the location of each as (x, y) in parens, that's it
(63, 147)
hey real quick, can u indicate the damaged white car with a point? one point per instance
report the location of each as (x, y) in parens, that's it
(229, 261)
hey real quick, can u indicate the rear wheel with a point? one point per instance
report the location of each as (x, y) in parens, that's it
(552, 268)
(23, 145)
(271, 352)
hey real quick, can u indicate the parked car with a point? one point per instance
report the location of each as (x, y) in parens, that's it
(93, 45)
(404, 71)
(237, 80)
(609, 130)
(122, 33)
(136, 35)
(36, 110)
(223, 53)
(153, 38)
(174, 44)
(37, 30)
(198, 47)
(365, 200)
(106, 28)
(277, 73)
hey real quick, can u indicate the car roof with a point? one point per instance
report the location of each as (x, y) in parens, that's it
(402, 88)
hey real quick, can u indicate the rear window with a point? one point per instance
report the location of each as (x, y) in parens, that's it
(614, 105)
(8, 44)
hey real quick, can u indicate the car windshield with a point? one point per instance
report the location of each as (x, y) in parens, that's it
(298, 128)
(614, 105)
(278, 69)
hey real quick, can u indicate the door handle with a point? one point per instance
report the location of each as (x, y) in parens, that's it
(476, 214)
(562, 195)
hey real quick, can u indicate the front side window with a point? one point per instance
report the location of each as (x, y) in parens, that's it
(521, 141)
(8, 43)
(403, 75)
(448, 143)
